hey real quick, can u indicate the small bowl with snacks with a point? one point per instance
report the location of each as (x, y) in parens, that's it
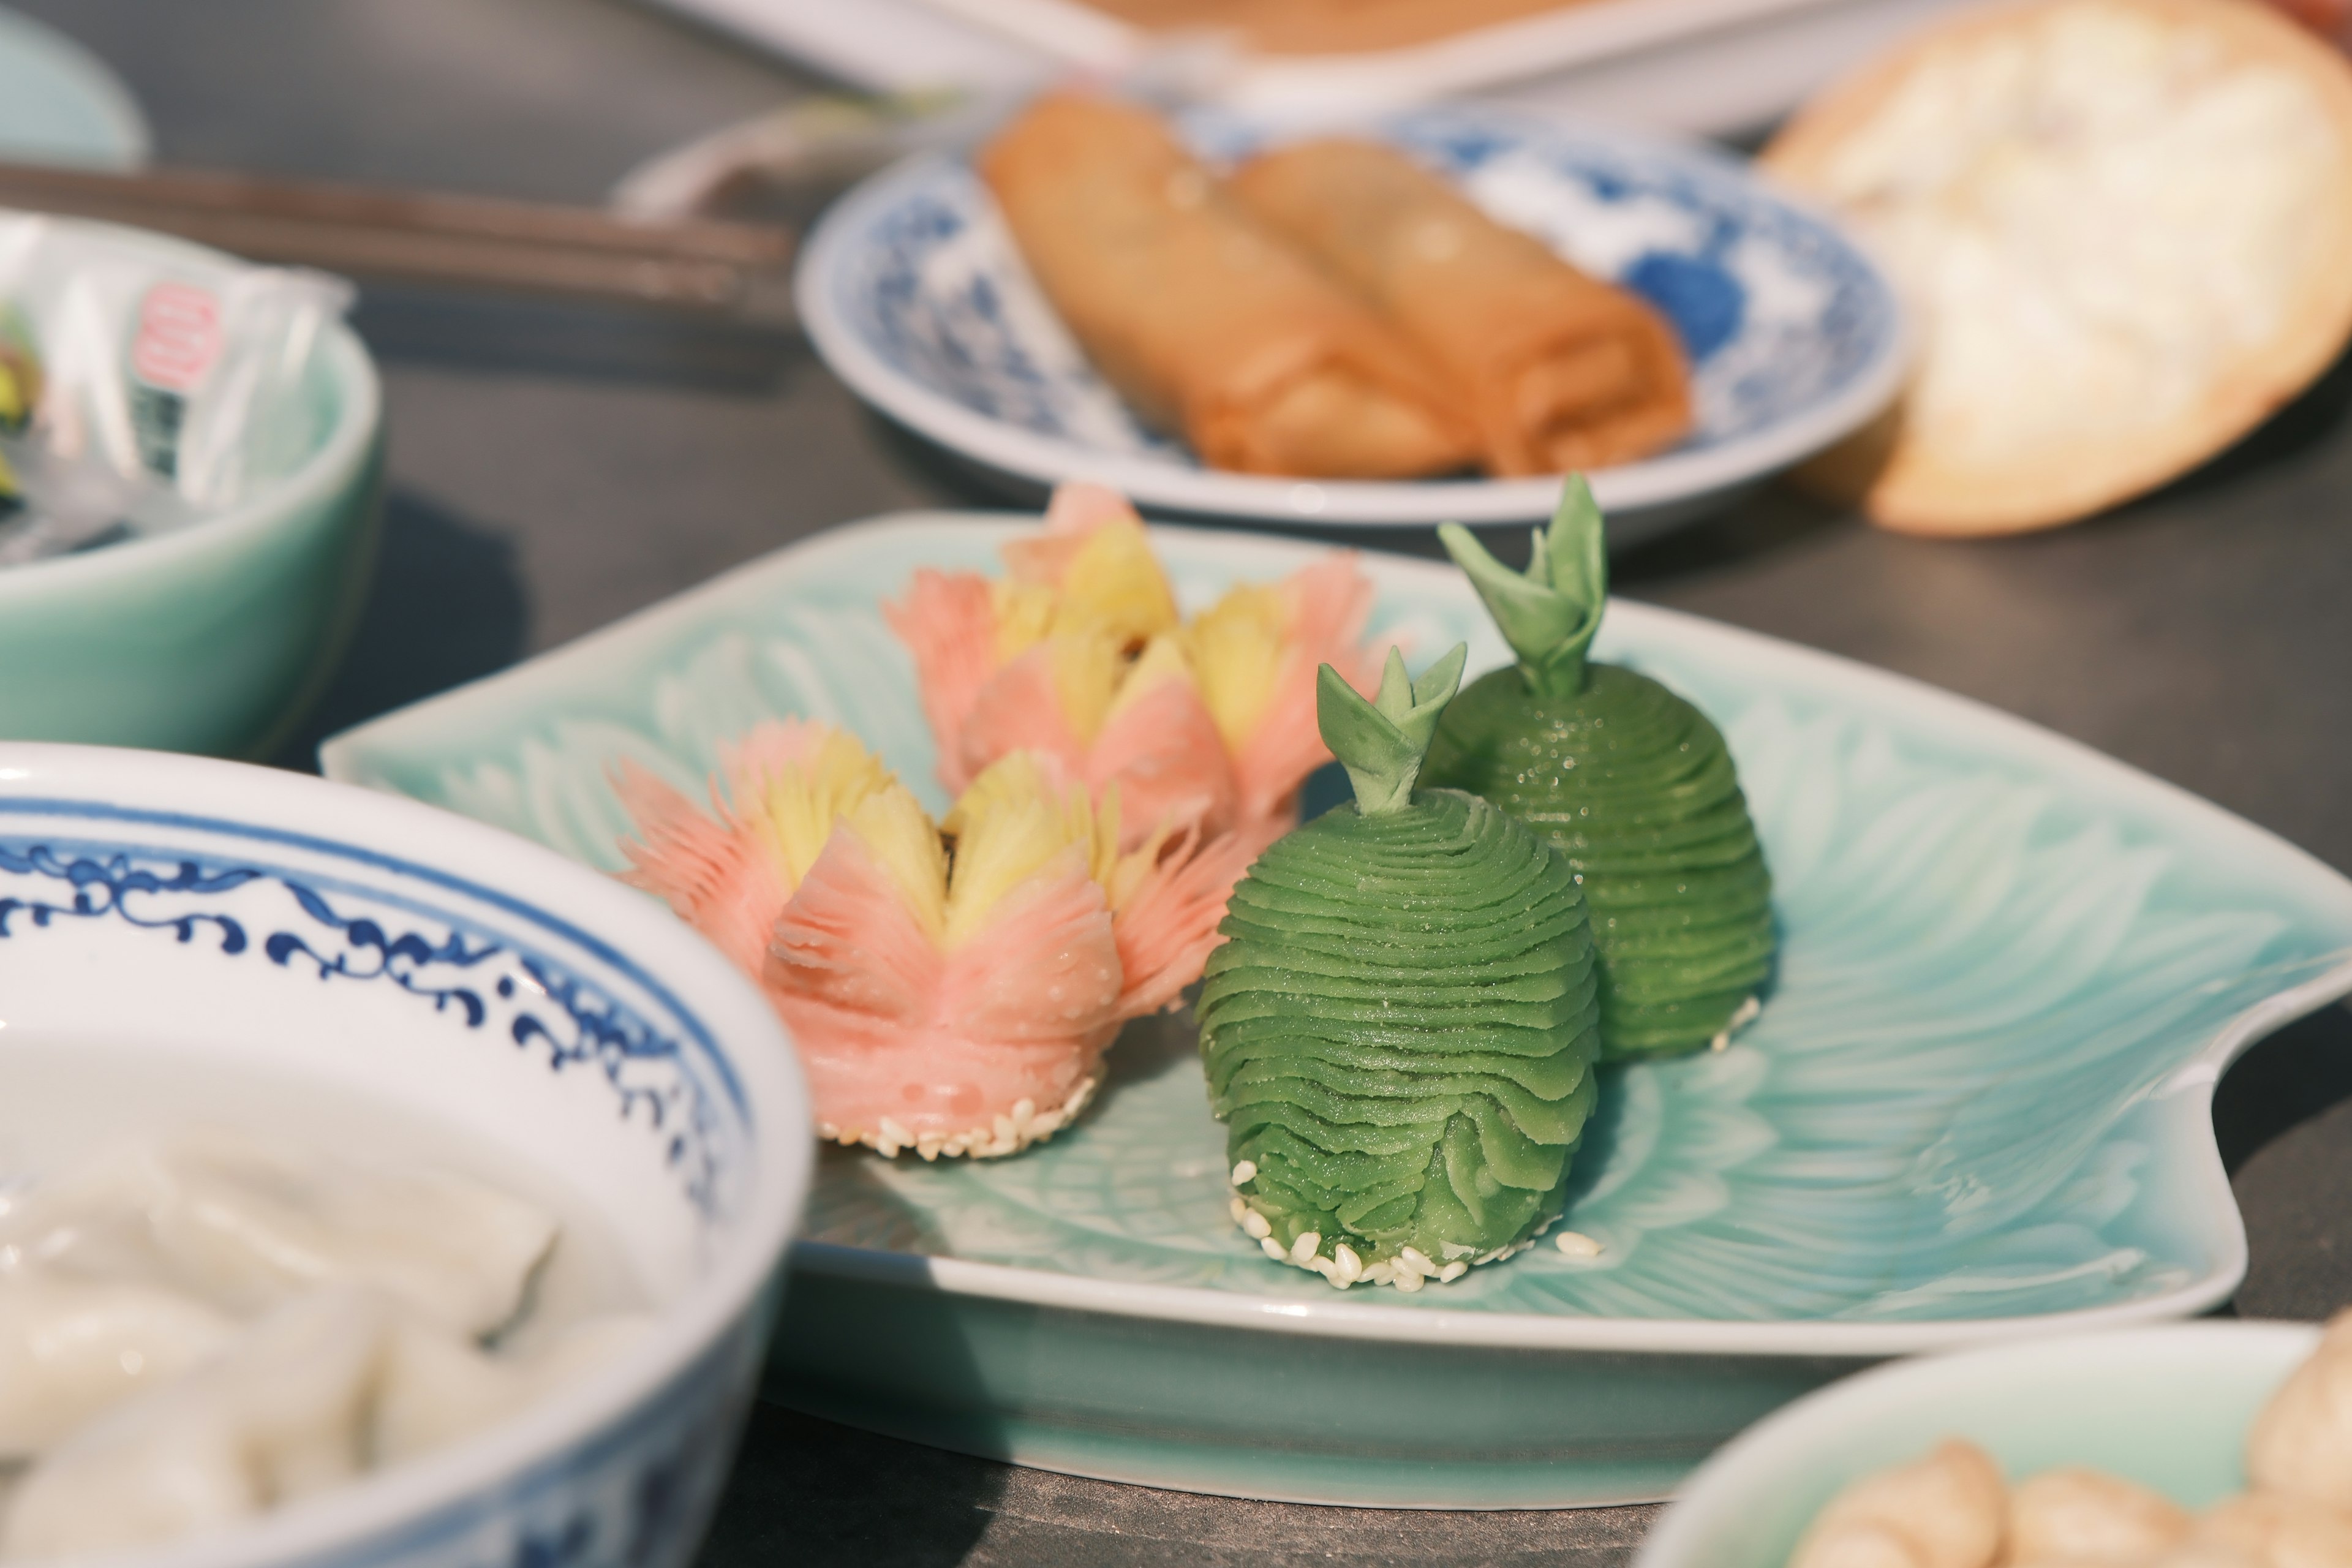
(375, 1187)
(1425, 316)
(2216, 1443)
(190, 464)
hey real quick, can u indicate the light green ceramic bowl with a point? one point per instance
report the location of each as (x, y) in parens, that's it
(215, 638)
(2167, 1408)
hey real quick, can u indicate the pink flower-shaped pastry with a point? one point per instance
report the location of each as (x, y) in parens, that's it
(1079, 653)
(951, 986)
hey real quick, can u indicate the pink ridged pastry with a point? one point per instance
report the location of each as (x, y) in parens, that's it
(1079, 653)
(951, 1001)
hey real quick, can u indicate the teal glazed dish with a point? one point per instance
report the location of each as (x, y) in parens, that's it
(2167, 1408)
(216, 637)
(1976, 1106)
(60, 104)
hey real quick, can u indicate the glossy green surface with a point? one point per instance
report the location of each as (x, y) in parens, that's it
(1638, 790)
(1400, 1031)
(217, 637)
(1629, 779)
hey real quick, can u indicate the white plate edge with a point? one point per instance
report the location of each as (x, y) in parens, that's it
(1490, 55)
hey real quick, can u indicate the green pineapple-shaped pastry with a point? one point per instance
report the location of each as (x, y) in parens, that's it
(1632, 784)
(1400, 1027)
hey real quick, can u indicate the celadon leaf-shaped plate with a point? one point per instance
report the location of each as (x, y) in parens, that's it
(1975, 1104)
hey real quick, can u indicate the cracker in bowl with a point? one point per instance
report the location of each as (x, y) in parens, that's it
(2125, 228)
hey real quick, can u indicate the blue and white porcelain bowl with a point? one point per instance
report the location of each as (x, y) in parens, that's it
(916, 297)
(455, 974)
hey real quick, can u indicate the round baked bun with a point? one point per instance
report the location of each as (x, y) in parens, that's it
(2124, 228)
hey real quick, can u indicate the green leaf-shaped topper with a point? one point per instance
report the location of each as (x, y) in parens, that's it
(1382, 742)
(1549, 615)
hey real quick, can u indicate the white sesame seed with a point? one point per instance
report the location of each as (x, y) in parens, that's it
(1254, 1222)
(1244, 1170)
(1412, 1258)
(1407, 1280)
(1272, 1248)
(1304, 1247)
(1452, 1271)
(1344, 1259)
(1237, 1208)
(1576, 1243)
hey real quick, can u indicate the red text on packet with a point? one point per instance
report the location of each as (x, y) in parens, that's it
(179, 336)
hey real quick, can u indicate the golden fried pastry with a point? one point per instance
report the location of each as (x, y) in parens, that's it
(2125, 227)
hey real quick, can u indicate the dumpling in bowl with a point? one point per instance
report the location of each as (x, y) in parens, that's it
(332, 1384)
(241, 1227)
(70, 1348)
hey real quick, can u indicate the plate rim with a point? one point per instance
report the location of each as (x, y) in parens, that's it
(1806, 1421)
(109, 96)
(2189, 1087)
(1491, 55)
(1672, 479)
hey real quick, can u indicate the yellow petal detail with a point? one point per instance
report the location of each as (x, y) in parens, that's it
(905, 841)
(1115, 582)
(1236, 647)
(1024, 614)
(1163, 660)
(1088, 666)
(789, 809)
(1012, 823)
(1124, 874)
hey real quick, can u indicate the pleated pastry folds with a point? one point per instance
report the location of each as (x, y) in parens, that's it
(1400, 1031)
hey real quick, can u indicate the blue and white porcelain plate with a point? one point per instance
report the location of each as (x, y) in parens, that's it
(1976, 1107)
(915, 294)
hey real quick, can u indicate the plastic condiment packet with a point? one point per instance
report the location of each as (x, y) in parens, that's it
(141, 391)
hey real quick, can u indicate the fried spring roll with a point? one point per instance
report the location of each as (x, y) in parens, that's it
(1205, 323)
(1563, 370)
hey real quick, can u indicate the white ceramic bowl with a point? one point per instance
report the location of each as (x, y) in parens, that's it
(446, 970)
(2167, 1408)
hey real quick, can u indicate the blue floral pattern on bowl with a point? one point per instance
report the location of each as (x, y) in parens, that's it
(278, 945)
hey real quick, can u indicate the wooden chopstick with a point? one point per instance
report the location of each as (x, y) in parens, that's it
(434, 238)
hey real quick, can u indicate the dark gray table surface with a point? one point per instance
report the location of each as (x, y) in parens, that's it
(553, 468)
